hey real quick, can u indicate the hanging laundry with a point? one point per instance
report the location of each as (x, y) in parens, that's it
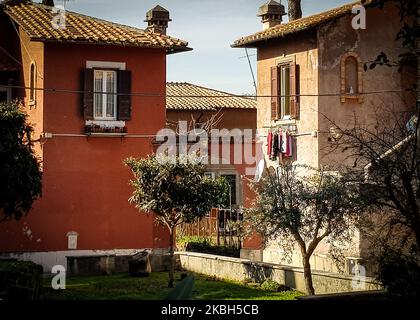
(284, 142)
(289, 146)
(275, 147)
(269, 143)
(280, 144)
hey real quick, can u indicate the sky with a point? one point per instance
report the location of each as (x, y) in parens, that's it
(210, 27)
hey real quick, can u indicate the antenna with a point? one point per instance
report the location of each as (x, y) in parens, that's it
(252, 71)
(250, 67)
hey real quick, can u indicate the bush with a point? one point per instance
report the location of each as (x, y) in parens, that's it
(20, 280)
(185, 240)
(399, 274)
(270, 285)
(205, 245)
(216, 250)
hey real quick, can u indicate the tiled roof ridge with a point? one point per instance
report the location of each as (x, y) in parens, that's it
(188, 96)
(116, 24)
(222, 93)
(298, 24)
(124, 33)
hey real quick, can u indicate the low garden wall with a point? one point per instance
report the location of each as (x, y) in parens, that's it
(20, 280)
(243, 269)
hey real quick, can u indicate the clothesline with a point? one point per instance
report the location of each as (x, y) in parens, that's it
(312, 133)
(279, 144)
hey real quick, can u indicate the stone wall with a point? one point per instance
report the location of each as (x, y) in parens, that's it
(241, 269)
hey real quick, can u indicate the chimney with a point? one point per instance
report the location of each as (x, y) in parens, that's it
(157, 20)
(271, 14)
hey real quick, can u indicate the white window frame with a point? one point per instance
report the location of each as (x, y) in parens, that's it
(105, 95)
(283, 114)
(8, 93)
(211, 175)
(91, 64)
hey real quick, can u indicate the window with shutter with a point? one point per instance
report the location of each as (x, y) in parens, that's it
(274, 93)
(294, 91)
(287, 84)
(88, 94)
(107, 94)
(124, 97)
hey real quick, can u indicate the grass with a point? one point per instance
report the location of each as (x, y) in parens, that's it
(124, 287)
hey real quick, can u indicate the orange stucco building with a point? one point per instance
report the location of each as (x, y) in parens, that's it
(311, 76)
(95, 94)
(209, 109)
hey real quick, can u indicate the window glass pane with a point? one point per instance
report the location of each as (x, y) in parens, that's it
(231, 180)
(287, 91)
(110, 99)
(98, 99)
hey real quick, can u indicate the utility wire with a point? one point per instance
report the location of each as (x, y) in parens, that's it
(159, 95)
(10, 56)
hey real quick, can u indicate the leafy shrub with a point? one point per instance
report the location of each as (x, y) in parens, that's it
(20, 280)
(270, 285)
(399, 274)
(205, 245)
(227, 251)
(185, 240)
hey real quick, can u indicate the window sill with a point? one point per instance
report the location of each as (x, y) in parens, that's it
(106, 134)
(285, 121)
(106, 123)
(98, 130)
(352, 98)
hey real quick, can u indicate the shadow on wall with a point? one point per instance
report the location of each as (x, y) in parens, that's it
(289, 278)
(258, 272)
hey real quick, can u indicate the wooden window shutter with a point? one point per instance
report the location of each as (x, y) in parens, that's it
(124, 101)
(274, 93)
(88, 94)
(294, 91)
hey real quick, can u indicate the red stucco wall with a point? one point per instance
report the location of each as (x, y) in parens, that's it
(85, 184)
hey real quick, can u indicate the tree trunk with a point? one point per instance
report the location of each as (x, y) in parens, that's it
(307, 273)
(171, 255)
(295, 9)
(418, 60)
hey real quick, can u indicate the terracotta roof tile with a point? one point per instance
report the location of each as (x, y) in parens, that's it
(36, 21)
(305, 23)
(186, 96)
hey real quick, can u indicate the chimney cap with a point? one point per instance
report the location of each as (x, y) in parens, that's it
(157, 13)
(271, 7)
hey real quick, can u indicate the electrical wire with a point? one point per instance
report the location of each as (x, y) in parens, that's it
(160, 95)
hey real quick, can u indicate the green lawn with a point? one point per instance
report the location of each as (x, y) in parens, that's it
(123, 287)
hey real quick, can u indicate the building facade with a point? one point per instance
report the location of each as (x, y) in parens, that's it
(311, 76)
(95, 94)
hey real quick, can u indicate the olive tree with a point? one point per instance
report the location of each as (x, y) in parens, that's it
(303, 206)
(20, 174)
(176, 191)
